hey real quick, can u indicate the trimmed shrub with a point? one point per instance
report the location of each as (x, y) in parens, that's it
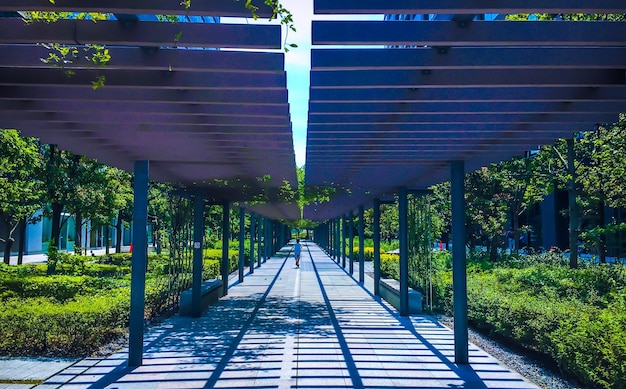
(40, 326)
(59, 288)
(368, 253)
(592, 347)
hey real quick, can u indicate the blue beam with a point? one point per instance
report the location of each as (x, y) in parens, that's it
(467, 94)
(198, 238)
(431, 107)
(415, 128)
(152, 79)
(137, 58)
(488, 33)
(430, 58)
(464, 78)
(225, 238)
(139, 263)
(404, 251)
(142, 34)
(459, 276)
(152, 7)
(466, 7)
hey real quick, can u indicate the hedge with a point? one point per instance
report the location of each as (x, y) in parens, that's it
(40, 326)
(576, 317)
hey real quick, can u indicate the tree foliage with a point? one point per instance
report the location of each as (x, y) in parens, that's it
(20, 189)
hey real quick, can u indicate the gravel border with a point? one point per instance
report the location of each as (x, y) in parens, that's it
(531, 369)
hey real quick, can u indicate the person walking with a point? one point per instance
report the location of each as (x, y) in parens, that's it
(297, 250)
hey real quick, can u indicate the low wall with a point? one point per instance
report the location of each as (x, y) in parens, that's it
(390, 291)
(211, 291)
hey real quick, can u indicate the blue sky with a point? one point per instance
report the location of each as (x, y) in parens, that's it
(298, 64)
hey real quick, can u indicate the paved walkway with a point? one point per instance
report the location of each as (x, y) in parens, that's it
(284, 327)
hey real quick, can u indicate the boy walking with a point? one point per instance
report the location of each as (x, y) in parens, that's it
(297, 249)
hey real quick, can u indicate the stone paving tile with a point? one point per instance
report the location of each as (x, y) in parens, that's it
(281, 329)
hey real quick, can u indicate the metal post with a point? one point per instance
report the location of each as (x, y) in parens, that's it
(361, 244)
(376, 247)
(198, 235)
(351, 241)
(225, 239)
(404, 254)
(259, 236)
(459, 276)
(252, 239)
(139, 262)
(338, 238)
(242, 247)
(331, 238)
(343, 241)
(267, 246)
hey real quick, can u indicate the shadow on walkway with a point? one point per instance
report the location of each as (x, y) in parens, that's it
(284, 327)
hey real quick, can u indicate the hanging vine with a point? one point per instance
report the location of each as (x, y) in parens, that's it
(179, 269)
(420, 246)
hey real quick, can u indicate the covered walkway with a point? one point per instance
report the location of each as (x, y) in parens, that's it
(284, 327)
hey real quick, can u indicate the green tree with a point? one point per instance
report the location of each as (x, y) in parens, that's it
(389, 222)
(522, 186)
(602, 178)
(487, 208)
(59, 172)
(20, 191)
(124, 203)
(103, 194)
(159, 212)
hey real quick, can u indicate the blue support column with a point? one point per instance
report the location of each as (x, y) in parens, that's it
(259, 251)
(459, 276)
(198, 238)
(343, 241)
(338, 238)
(328, 248)
(376, 247)
(361, 244)
(331, 238)
(252, 240)
(404, 251)
(275, 236)
(225, 239)
(267, 240)
(242, 246)
(139, 262)
(351, 242)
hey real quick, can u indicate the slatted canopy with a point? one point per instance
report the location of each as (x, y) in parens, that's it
(392, 103)
(204, 118)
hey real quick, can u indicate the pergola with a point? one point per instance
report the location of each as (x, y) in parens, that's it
(214, 120)
(433, 99)
(179, 105)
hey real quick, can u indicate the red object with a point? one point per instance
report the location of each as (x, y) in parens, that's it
(440, 246)
(131, 247)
